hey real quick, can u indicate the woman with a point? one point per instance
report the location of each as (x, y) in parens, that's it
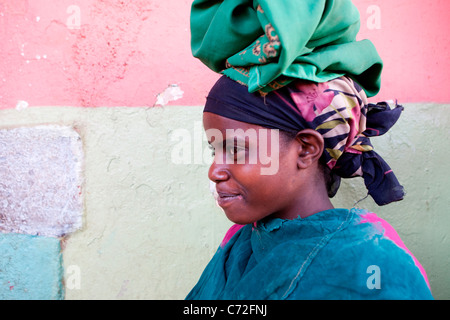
(289, 242)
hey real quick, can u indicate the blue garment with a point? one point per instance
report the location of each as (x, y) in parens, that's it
(334, 254)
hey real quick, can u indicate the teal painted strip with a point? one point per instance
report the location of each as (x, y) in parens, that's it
(30, 268)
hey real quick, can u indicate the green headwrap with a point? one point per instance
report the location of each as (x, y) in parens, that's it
(265, 44)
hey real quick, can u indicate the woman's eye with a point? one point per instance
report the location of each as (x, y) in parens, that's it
(236, 150)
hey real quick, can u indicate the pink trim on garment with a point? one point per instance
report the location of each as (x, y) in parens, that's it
(230, 233)
(390, 233)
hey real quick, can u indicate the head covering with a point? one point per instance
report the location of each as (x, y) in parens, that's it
(266, 44)
(338, 110)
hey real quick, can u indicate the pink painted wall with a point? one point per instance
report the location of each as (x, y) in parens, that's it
(123, 53)
(414, 44)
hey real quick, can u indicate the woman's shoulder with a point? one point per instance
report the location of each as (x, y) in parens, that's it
(369, 237)
(369, 259)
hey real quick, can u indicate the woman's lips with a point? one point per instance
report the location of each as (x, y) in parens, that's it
(225, 199)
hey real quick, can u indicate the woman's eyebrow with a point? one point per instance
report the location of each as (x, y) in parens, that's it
(231, 140)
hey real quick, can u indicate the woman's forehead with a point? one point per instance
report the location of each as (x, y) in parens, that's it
(215, 121)
(219, 129)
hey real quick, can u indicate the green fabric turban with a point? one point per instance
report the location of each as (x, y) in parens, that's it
(265, 44)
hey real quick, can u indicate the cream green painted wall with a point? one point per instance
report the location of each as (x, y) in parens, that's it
(150, 225)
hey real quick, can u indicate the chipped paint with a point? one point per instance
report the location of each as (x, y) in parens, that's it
(172, 93)
(21, 105)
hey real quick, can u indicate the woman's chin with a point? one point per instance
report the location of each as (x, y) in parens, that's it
(240, 217)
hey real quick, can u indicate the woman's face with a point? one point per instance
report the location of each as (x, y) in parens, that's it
(255, 170)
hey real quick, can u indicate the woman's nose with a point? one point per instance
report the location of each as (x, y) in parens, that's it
(218, 172)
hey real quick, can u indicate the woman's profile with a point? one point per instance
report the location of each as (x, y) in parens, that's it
(288, 119)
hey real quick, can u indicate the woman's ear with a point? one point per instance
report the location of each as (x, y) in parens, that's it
(310, 147)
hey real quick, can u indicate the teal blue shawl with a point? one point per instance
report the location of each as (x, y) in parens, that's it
(334, 254)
